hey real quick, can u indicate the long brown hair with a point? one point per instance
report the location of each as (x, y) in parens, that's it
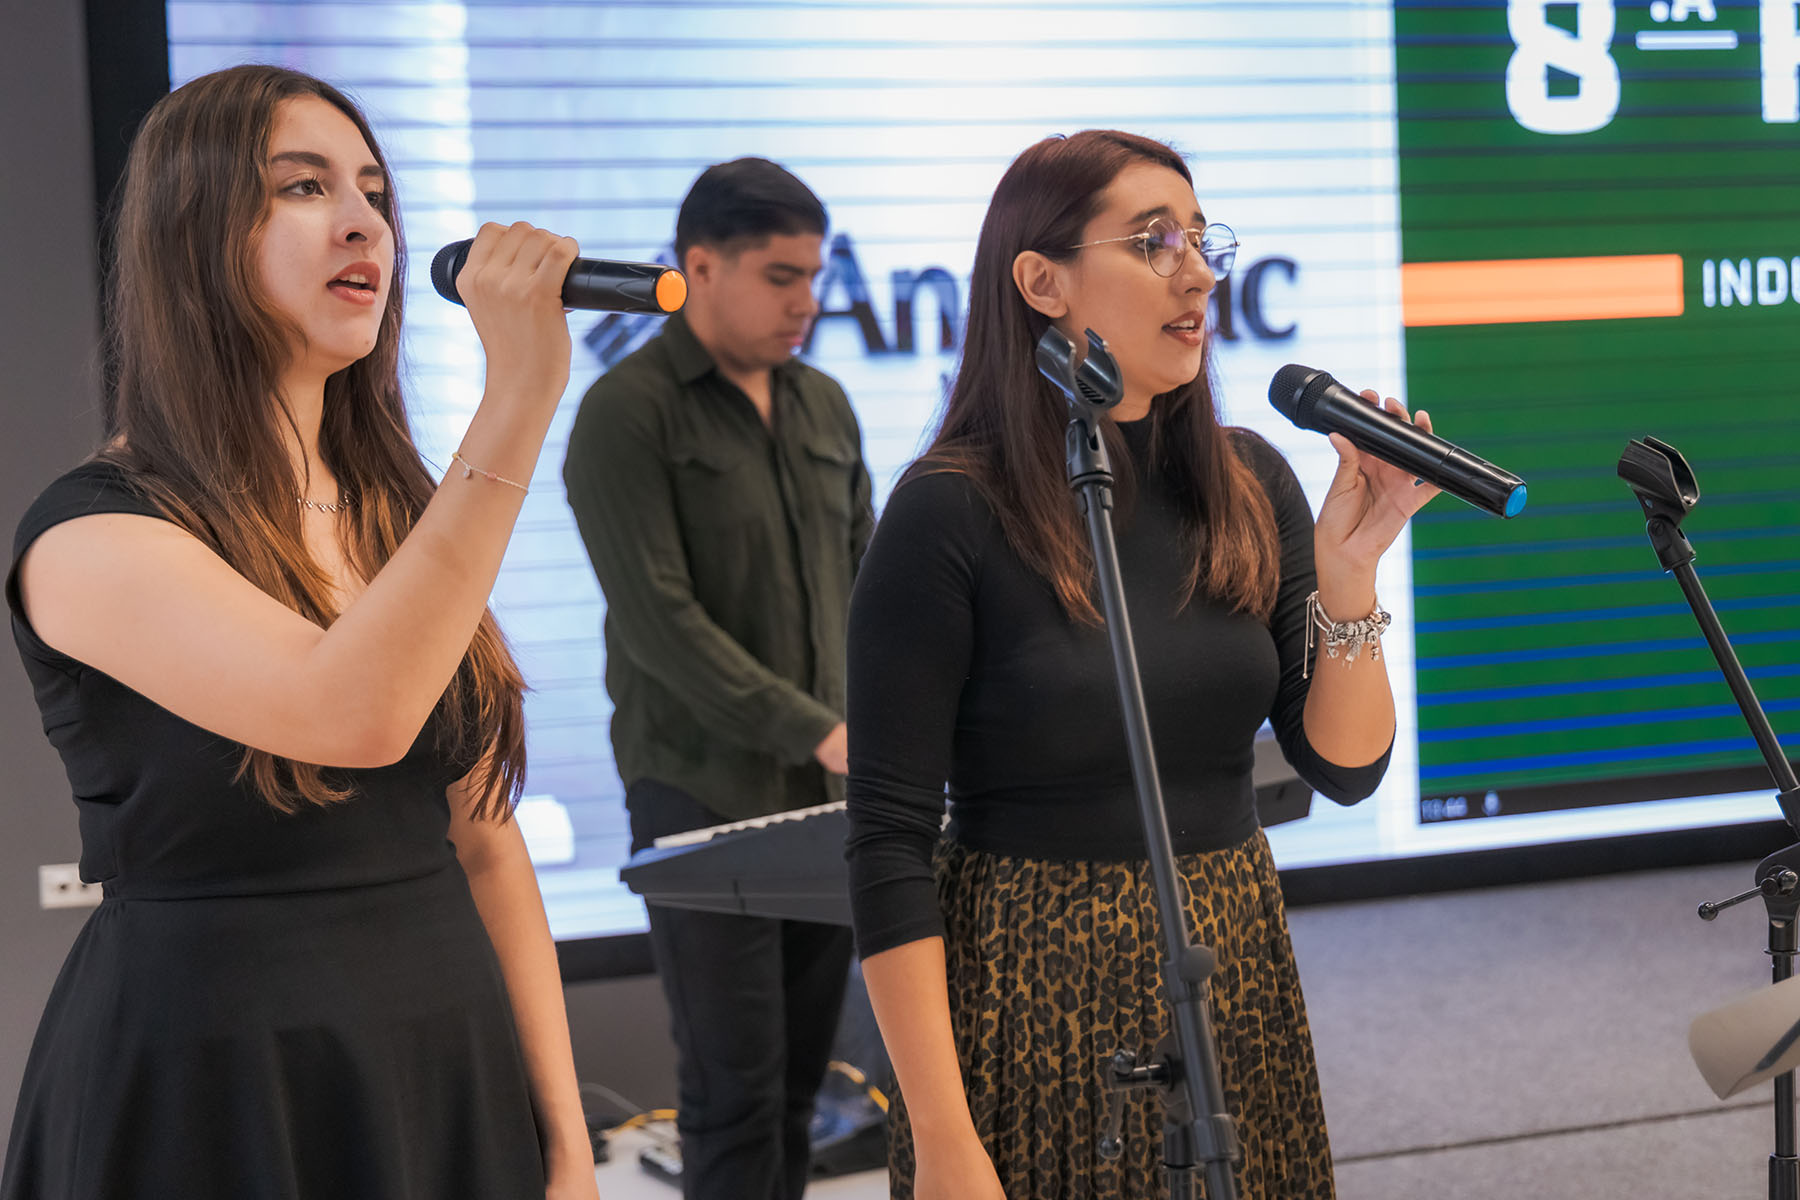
(193, 412)
(1003, 424)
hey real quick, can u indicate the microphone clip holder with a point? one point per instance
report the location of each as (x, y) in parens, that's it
(1090, 385)
(1667, 491)
(1199, 1135)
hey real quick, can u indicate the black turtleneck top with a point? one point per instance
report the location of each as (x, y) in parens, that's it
(964, 672)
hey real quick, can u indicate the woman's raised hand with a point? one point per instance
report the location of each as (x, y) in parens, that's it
(1366, 507)
(512, 284)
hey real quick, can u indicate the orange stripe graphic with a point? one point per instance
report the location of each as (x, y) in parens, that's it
(1541, 289)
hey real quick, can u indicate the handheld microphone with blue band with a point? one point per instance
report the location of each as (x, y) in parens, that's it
(592, 283)
(1312, 399)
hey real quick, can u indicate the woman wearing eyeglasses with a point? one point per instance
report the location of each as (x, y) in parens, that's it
(1006, 958)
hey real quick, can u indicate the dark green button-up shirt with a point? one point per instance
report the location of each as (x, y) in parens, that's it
(725, 548)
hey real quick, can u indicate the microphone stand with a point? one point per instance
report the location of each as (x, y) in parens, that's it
(1198, 1131)
(1667, 491)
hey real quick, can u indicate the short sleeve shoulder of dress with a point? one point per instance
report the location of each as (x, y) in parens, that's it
(93, 487)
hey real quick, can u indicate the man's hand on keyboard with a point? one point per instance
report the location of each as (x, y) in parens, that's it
(834, 752)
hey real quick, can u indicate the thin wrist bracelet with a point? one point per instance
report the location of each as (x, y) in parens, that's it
(1347, 636)
(470, 468)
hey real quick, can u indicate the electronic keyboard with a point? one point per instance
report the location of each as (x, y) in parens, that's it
(791, 864)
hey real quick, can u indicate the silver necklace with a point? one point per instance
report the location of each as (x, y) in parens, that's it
(316, 506)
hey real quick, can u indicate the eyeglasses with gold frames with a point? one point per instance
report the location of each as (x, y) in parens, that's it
(1165, 244)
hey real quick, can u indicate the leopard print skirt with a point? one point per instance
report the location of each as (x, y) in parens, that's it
(1052, 966)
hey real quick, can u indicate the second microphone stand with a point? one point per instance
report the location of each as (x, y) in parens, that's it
(1198, 1132)
(1667, 491)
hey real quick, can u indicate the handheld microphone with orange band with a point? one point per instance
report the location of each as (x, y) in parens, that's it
(593, 283)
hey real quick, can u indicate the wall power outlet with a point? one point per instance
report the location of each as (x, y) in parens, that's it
(60, 886)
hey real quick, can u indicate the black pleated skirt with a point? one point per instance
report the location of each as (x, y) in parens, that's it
(355, 1044)
(1053, 966)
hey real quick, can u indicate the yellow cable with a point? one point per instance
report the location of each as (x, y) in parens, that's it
(860, 1080)
(644, 1118)
(850, 1072)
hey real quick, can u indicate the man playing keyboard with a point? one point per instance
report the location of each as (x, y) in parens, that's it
(718, 484)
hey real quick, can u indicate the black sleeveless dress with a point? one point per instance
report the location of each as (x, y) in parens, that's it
(263, 1007)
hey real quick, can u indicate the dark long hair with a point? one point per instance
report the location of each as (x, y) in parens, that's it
(1003, 424)
(193, 412)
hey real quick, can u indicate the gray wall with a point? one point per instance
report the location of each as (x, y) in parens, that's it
(621, 1034)
(49, 421)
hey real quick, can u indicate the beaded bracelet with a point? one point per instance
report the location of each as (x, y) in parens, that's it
(1348, 636)
(471, 469)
